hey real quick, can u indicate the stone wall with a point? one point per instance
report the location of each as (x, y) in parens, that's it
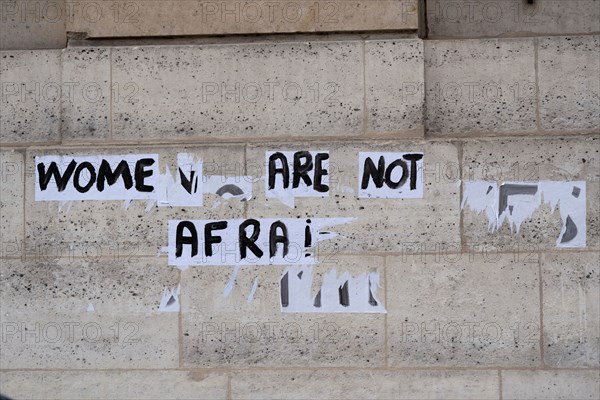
(480, 301)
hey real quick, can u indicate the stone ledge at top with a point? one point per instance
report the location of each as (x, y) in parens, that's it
(127, 18)
(504, 18)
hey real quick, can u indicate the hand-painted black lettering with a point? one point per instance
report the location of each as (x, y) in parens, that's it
(53, 171)
(344, 294)
(107, 175)
(274, 238)
(371, 172)
(209, 239)
(320, 172)
(284, 170)
(249, 242)
(413, 158)
(77, 177)
(284, 290)
(190, 239)
(141, 174)
(307, 235)
(390, 169)
(185, 182)
(302, 168)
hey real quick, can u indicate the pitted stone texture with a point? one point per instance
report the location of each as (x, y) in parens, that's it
(86, 106)
(394, 79)
(31, 88)
(408, 385)
(480, 86)
(246, 90)
(550, 385)
(380, 224)
(492, 18)
(532, 160)
(47, 322)
(12, 177)
(571, 309)
(568, 82)
(462, 309)
(190, 17)
(33, 24)
(126, 385)
(222, 330)
(109, 224)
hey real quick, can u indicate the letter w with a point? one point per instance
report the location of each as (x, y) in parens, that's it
(53, 171)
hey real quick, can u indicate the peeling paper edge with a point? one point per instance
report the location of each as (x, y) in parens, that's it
(173, 296)
(548, 192)
(328, 292)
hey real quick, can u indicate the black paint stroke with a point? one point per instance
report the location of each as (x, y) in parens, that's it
(320, 172)
(570, 230)
(232, 189)
(317, 302)
(185, 182)
(77, 177)
(274, 239)
(375, 173)
(302, 168)
(372, 300)
(413, 158)
(510, 189)
(107, 175)
(344, 295)
(249, 242)
(273, 170)
(285, 291)
(209, 239)
(191, 240)
(141, 174)
(53, 171)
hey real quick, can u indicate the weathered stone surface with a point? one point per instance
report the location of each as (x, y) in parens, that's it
(125, 18)
(413, 385)
(229, 327)
(12, 200)
(33, 24)
(568, 82)
(86, 106)
(381, 224)
(31, 96)
(246, 90)
(47, 321)
(555, 385)
(571, 314)
(394, 79)
(106, 225)
(462, 309)
(480, 86)
(126, 385)
(492, 18)
(531, 160)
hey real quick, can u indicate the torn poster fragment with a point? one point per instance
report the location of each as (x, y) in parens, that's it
(229, 187)
(515, 202)
(293, 174)
(119, 177)
(267, 241)
(67, 178)
(390, 175)
(170, 300)
(337, 294)
(184, 189)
